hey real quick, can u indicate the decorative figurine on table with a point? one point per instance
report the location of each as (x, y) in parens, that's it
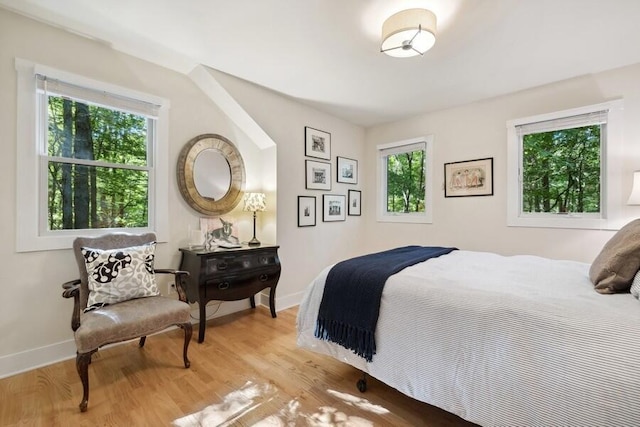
(222, 236)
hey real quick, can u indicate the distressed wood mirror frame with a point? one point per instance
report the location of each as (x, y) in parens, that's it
(186, 174)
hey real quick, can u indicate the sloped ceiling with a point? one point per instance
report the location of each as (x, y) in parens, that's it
(326, 52)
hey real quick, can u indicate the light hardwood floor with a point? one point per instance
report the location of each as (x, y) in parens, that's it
(247, 359)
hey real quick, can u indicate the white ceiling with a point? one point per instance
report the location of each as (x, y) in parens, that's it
(326, 52)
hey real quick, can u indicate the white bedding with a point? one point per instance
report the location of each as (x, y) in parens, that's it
(502, 341)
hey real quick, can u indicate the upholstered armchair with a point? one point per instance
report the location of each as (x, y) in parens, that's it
(116, 298)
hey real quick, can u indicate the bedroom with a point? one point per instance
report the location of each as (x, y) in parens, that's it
(470, 131)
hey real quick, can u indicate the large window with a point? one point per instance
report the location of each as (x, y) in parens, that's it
(97, 158)
(561, 163)
(96, 161)
(404, 173)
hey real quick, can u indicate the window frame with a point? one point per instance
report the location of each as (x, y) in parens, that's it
(610, 172)
(425, 217)
(30, 187)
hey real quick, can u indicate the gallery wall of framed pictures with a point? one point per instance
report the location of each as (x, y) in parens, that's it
(318, 177)
(462, 179)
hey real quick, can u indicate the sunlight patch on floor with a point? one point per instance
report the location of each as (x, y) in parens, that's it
(233, 406)
(247, 403)
(358, 402)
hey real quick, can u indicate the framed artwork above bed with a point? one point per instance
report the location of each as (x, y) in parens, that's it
(469, 178)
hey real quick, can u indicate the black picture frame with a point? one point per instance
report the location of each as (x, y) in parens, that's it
(334, 207)
(317, 175)
(469, 178)
(317, 143)
(347, 170)
(354, 203)
(306, 211)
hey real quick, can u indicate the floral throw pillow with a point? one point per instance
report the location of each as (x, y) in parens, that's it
(117, 275)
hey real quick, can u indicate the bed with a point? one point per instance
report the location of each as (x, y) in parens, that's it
(501, 340)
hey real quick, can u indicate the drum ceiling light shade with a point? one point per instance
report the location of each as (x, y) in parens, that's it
(408, 33)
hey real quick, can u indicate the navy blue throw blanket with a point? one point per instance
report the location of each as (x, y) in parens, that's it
(348, 313)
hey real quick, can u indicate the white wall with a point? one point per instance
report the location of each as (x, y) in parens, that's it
(479, 130)
(34, 318)
(304, 251)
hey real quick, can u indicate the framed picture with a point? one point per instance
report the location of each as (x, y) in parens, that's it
(219, 231)
(306, 211)
(355, 200)
(333, 207)
(469, 178)
(347, 170)
(317, 143)
(318, 175)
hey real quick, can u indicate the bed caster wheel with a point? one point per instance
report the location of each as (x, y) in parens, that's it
(362, 385)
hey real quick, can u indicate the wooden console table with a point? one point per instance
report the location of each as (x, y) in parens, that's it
(230, 275)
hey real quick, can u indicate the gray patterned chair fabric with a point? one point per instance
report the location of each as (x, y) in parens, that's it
(121, 321)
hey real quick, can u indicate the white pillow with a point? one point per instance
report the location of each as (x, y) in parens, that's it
(117, 275)
(635, 285)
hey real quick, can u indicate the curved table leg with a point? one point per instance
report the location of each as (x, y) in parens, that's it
(203, 321)
(272, 301)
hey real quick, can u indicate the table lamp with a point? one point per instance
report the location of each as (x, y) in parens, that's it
(254, 202)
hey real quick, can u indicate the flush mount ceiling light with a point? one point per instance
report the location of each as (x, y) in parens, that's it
(408, 33)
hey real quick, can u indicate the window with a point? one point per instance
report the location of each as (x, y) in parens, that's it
(97, 153)
(404, 175)
(558, 167)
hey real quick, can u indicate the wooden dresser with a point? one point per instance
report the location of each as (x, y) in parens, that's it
(230, 275)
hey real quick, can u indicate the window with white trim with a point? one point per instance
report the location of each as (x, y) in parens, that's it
(95, 153)
(405, 181)
(558, 167)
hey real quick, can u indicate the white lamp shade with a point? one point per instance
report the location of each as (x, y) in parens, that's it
(634, 198)
(255, 202)
(408, 33)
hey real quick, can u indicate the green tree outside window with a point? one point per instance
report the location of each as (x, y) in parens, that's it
(406, 182)
(561, 171)
(97, 167)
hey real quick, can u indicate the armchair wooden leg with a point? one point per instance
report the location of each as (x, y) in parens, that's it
(188, 331)
(142, 341)
(82, 365)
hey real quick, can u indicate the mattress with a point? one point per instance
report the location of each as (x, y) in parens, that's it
(499, 341)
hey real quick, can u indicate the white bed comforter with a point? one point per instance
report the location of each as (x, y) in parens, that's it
(502, 341)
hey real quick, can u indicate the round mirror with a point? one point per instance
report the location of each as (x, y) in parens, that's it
(211, 174)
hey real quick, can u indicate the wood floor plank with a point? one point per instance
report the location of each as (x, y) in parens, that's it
(246, 352)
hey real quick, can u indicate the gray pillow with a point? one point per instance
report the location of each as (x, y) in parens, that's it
(635, 285)
(614, 268)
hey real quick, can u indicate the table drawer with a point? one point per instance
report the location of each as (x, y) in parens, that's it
(232, 264)
(238, 287)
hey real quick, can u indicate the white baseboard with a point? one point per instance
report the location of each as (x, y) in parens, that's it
(284, 302)
(17, 363)
(27, 360)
